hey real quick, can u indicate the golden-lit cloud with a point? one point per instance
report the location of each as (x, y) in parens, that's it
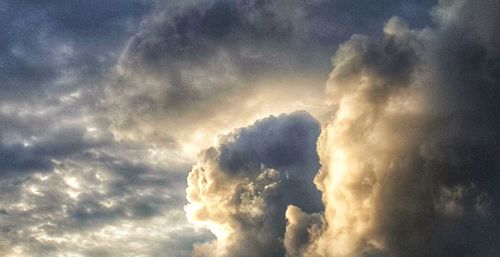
(366, 138)
(401, 157)
(241, 188)
(217, 114)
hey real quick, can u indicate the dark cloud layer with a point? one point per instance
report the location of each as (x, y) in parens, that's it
(43, 42)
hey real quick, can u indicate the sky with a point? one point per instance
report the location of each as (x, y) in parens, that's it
(249, 128)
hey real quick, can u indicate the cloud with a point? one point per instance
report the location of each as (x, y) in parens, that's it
(217, 65)
(104, 103)
(104, 200)
(187, 63)
(241, 188)
(54, 47)
(23, 151)
(409, 159)
(68, 186)
(301, 229)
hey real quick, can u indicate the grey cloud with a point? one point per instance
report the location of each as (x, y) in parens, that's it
(38, 155)
(284, 143)
(300, 230)
(254, 32)
(255, 184)
(196, 56)
(275, 143)
(87, 193)
(188, 59)
(335, 21)
(182, 242)
(179, 61)
(16, 158)
(463, 158)
(68, 185)
(414, 136)
(44, 43)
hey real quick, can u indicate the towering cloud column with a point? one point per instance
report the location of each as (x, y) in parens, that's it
(377, 124)
(410, 159)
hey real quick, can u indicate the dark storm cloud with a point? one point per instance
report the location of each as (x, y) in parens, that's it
(186, 58)
(199, 30)
(334, 21)
(180, 60)
(275, 143)
(246, 183)
(457, 212)
(41, 42)
(284, 143)
(255, 31)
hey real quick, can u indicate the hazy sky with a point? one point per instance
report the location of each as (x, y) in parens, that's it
(249, 128)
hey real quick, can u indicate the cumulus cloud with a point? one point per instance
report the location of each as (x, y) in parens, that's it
(192, 60)
(301, 229)
(378, 122)
(240, 189)
(409, 159)
(189, 62)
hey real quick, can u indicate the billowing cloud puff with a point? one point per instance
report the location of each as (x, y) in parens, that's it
(376, 128)
(410, 157)
(301, 229)
(191, 60)
(241, 188)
